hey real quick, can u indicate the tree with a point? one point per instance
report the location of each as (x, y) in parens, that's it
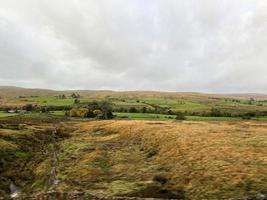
(215, 112)
(43, 109)
(133, 110)
(29, 107)
(144, 110)
(180, 116)
(76, 101)
(170, 112)
(105, 107)
(75, 96)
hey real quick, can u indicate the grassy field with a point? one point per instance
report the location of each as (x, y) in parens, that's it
(263, 118)
(58, 113)
(5, 114)
(144, 115)
(152, 116)
(136, 154)
(137, 158)
(185, 102)
(50, 101)
(137, 116)
(200, 118)
(199, 160)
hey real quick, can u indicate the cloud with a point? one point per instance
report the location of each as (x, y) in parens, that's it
(210, 46)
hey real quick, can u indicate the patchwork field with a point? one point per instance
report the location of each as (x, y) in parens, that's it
(164, 159)
(141, 101)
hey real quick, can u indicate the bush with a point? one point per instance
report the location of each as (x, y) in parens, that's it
(144, 110)
(133, 110)
(180, 116)
(160, 179)
(249, 115)
(29, 107)
(78, 112)
(76, 101)
(104, 107)
(215, 113)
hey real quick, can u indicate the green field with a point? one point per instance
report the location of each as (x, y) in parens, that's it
(58, 113)
(192, 103)
(263, 118)
(140, 105)
(5, 114)
(170, 117)
(50, 101)
(144, 115)
(150, 116)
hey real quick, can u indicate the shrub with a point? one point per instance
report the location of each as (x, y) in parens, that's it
(133, 110)
(180, 116)
(160, 179)
(144, 110)
(215, 113)
(78, 112)
(76, 101)
(29, 107)
(105, 107)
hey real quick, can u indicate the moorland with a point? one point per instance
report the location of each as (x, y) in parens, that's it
(133, 144)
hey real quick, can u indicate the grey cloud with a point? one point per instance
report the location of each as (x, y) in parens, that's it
(208, 46)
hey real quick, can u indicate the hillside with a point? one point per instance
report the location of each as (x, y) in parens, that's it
(197, 104)
(12, 91)
(182, 160)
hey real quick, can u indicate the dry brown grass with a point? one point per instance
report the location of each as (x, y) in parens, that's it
(202, 160)
(14, 102)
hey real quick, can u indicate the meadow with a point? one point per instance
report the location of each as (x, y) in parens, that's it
(199, 105)
(5, 114)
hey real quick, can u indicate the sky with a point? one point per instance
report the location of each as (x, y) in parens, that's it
(217, 46)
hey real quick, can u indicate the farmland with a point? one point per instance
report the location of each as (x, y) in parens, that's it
(167, 103)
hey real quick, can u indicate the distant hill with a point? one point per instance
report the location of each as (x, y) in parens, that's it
(11, 91)
(249, 95)
(18, 91)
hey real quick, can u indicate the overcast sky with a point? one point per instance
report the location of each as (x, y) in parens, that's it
(172, 45)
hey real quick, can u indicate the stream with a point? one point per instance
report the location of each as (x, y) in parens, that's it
(14, 190)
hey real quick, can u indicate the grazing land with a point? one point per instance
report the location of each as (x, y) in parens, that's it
(167, 103)
(154, 145)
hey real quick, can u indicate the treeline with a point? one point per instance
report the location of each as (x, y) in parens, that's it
(34, 108)
(213, 112)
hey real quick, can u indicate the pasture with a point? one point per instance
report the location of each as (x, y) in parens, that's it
(175, 102)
